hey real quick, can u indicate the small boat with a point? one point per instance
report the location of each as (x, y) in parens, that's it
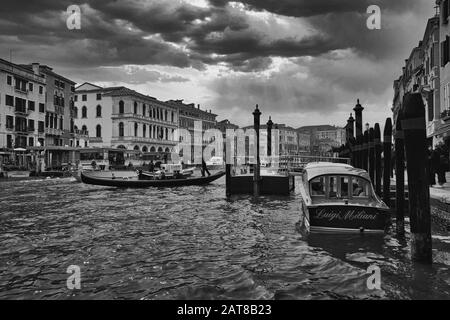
(166, 182)
(340, 198)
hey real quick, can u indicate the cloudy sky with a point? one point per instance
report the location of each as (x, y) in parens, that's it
(304, 62)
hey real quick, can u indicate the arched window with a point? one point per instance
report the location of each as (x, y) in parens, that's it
(167, 150)
(144, 130)
(144, 149)
(84, 112)
(121, 129)
(135, 107)
(121, 107)
(98, 131)
(136, 148)
(84, 129)
(160, 149)
(152, 149)
(99, 111)
(121, 147)
(136, 127)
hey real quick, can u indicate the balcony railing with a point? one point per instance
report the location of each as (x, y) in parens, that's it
(21, 110)
(20, 90)
(141, 139)
(53, 131)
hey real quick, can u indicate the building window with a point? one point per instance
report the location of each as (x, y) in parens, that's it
(445, 51)
(9, 122)
(135, 107)
(9, 101)
(31, 105)
(121, 129)
(172, 116)
(136, 128)
(75, 98)
(143, 109)
(84, 112)
(31, 141)
(444, 11)
(40, 126)
(41, 90)
(144, 130)
(84, 129)
(30, 87)
(41, 107)
(98, 131)
(75, 112)
(165, 115)
(99, 111)
(121, 107)
(99, 96)
(84, 97)
(9, 80)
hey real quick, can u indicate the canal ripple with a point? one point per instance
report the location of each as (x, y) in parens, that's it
(192, 243)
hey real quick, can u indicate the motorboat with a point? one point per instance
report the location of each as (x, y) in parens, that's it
(340, 198)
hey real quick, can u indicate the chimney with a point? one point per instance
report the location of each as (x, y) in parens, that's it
(35, 67)
(198, 106)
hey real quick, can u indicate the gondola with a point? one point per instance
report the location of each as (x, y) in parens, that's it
(136, 183)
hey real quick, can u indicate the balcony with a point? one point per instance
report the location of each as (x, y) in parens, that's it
(23, 130)
(95, 140)
(53, 132)
(22, 111)
(21, 90)
(133, 139)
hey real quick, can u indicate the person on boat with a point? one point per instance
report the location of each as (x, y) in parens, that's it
(113, 176)
(151, 166)
(204, 168)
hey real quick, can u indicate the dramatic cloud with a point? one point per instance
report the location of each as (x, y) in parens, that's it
(302, 59)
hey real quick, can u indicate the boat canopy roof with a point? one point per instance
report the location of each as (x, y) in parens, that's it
(327, 168)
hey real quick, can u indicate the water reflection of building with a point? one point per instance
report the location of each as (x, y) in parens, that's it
(119, 117)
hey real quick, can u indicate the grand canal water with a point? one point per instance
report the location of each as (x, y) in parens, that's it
(192, 243)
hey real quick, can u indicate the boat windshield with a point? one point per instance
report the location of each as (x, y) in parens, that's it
(340, 187)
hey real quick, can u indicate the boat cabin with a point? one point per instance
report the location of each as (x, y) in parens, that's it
(328, 182)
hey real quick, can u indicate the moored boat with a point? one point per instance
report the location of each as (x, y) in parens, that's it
(341, 198)
(159, 182)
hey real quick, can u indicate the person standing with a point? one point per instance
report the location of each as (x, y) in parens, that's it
(151, 166)
(204, 168)
(443, 166)
(433, 163)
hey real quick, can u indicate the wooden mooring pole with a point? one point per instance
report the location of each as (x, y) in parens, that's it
(365, 151)
(372, 155)
(377, 141)
(256, 171)
(414, 130)
(387, 142)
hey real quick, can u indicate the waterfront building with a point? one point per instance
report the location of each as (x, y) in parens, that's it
(22, 108)
(188, 116)
(323, 138)
(288, 139)
(118, 117)
(304, 142)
